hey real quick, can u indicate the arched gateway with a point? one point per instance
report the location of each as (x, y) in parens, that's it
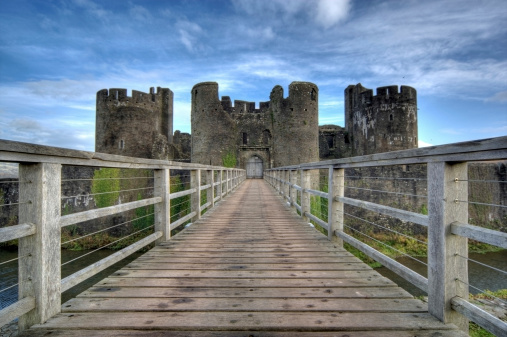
(254, 168)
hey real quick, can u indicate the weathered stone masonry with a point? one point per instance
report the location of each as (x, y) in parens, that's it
(282, 131)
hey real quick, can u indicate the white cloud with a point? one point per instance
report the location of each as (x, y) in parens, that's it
(189, 34)
(423, 144)
(330, 12)
(140, 13)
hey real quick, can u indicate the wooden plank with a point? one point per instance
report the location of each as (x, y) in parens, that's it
(246, 273)
(490, 236)
(245, 260)
(416, 218)
(416, 279)
(240, 321)
(241, 304)
(16, 310)
(100, 265)
(253, 292)
(484, 319)
(372, 281)
(16, 232)
(246, 333)
(356, 265)
(71, 219)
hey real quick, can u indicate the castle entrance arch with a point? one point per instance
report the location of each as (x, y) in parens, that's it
(254, 168)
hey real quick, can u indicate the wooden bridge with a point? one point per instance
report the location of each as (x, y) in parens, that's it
(249, 265)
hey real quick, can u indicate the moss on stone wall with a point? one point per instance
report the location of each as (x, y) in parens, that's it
(105, 186)
(229, 159)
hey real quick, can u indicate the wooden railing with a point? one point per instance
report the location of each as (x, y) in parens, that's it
(41, 221)
(446, 220)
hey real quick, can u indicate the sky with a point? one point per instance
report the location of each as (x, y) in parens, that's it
(56, 54)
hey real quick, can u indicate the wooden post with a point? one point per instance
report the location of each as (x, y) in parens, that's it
(286, 184)
(163, 209)
(336, 188)
(210, 194)
(40, 258)
(220, 184)
(305, 196)
(447, 203)
(195, 200)
(292, 191)
(228, 181)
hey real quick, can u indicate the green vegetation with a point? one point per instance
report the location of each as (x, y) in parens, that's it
(229, 159)
(474, 329)
(106, 186)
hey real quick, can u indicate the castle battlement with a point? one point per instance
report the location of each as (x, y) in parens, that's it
(117, 95)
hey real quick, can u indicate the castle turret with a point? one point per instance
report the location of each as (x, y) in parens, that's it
(381, 123)
(137, 126)
(295, 122)
(213, 130)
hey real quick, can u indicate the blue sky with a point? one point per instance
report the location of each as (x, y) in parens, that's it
(55, 56)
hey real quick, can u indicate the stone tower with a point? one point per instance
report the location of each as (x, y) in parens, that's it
(381, 123)
(282, 131)
(137, 126)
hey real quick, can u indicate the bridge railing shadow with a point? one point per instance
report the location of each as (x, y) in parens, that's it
(154, 198)
(423, 202)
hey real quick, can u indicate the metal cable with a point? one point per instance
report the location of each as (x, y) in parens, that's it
(480, 203)
(386, 178)
(105, 229)
(98, 179)
(9, 287)
(368, 189)
(391, 247)
(14, 259)
(109, 244)
(481, 291)
(391, 230)
(9, 181)
(482, 264)
(482, 181)
(83, 195)
(16, 203)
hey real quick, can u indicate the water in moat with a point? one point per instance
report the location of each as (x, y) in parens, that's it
(480, 276)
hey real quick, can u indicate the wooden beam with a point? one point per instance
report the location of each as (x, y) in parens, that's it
(16, 232)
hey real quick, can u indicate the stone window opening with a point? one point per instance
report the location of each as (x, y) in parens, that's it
(391, 117)
(116, 95)
(245, 138)
(122, 144)
(313, 95)
(266, 136)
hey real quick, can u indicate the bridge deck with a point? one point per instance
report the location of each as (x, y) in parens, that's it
(250, 267)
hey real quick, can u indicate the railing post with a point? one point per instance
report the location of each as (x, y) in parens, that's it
(195, 200)
(336, 188)
(210, 194)
(305, 196)
(447, 253)
(286, 186)
(163, 209)
(40, 258)
(228, 181)
(292, 191)
(220, 184)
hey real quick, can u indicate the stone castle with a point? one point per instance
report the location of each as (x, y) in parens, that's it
(280, 132)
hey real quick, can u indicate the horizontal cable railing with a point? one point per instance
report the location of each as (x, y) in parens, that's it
(421, 202)
(63, 190)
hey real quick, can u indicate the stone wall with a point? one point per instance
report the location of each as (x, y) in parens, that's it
(137, 126)
(282, 131)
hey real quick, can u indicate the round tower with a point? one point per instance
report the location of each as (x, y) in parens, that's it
(213, 131)
(137, 126)
(295, 123)
(381, 123)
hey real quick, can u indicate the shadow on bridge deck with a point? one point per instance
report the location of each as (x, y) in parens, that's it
(249, 267)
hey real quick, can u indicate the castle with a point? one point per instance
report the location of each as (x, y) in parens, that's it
(280, 132)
